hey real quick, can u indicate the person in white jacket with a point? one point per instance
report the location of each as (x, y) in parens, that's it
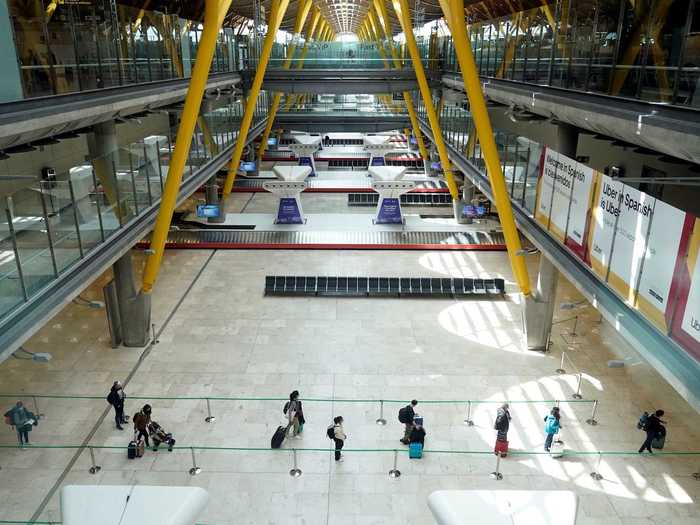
(339, 436)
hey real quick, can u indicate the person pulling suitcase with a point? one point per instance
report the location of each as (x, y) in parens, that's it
(501, 426)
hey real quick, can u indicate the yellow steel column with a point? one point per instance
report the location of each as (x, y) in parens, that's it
(454, 13)
(304, 7)
(279, 7)
(403, 14)
(382, 19)
(215, 11)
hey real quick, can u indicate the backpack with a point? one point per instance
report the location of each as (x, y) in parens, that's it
(551, 425)
(330, 432)
(405, 415)
(286, 407)
(643, 422)
(498, 425)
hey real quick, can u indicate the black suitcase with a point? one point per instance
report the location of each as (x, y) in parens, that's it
(278, 437)
(659, 441)
(131, 450)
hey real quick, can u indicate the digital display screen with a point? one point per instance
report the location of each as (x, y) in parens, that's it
(208, 210)
(272, 141)
(248, 166)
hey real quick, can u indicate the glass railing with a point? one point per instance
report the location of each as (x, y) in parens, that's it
(48, 226)
(90, 45)
(608, 48)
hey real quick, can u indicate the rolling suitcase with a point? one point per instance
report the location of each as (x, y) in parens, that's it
(659, 441)
(501, 447)
(557, 449)
(415, 450)
(131, 450)
(278, 437)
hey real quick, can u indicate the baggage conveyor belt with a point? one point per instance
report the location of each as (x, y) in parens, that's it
(329, 240)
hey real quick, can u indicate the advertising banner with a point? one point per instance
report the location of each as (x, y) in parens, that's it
(686, 329)
(565, 192)
(289, 211)
(634, 247)
(389, 211)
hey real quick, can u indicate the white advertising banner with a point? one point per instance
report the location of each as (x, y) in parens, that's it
(634, 246)
(691, 315)
(564, 196)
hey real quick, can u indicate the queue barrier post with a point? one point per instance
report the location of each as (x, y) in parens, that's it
(195, 469)
(468, 420)
(295, 472)
(577, 394)
(37, 412)
(561, 369)
(592, 420)
(496, 474)
(209, 418)
(596, 475)
(95, 468)
(381, 421)
(154, 339)
(395, 472)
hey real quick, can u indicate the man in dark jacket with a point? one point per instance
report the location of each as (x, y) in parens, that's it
(654, 428)
(22, 420)
(116, 398)
(406, 415)
(502, 422)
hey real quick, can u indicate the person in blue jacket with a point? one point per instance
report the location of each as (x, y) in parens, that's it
(23, 420)
(551, 426)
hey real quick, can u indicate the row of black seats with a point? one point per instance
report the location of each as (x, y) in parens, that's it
(381, 286)
(425, 199)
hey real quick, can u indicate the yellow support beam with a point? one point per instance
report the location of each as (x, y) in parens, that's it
(378, 10)
(403, 14)
(304, 6)
(454, 10)
(279, 8)
(214, 13)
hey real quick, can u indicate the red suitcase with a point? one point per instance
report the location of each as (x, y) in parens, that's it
(501, 448)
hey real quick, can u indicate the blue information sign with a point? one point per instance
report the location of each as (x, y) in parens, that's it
(288, 212)
(378, 161)
(390, 212)
(248, 167)
(208, 210)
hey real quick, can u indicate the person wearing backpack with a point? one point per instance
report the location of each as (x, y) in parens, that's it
(551, 427)
(116, 398)
(338, 435)
(292, 409)
(22, 420)
(653, 426)
(406, 415)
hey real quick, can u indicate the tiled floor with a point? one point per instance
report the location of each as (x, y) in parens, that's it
(226, 339)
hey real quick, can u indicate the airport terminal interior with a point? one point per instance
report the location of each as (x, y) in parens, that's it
(350, 262)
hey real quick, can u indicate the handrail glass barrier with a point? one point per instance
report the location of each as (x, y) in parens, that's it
(47, 226)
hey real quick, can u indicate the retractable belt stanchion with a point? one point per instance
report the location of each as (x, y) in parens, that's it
(561, 369)
(95, 468)
(37, 412)
(395, 472)
(209, 418)
(496, 474)
(154, 339)
(381, 421)
(592, 420)
(195, 469)
(596, 475)
(468, 420)
(577, 394)
(295, 472)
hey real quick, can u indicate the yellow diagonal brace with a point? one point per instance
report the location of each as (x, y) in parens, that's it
(303, 11)
(215, 11)
(403, 13)
(382, 19)
(279, 8)
(482, 123)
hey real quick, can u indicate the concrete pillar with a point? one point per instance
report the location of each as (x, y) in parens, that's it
(134, 308)
(539, 309)
(11, 79)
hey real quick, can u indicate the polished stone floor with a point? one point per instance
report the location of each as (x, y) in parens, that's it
(220, 337)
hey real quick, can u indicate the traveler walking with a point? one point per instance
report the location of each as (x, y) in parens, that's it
(502, 425)
(338, 435)
(22, 420)
(141, 420)
(292, 410)
(653, 426)
(406, 415)
(551, 426)
(116, 398)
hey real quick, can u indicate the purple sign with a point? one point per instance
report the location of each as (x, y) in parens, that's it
(378, 161)
(288, 211)
(435, 166)
(469, 211)
(390, 212)
(306, 161)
